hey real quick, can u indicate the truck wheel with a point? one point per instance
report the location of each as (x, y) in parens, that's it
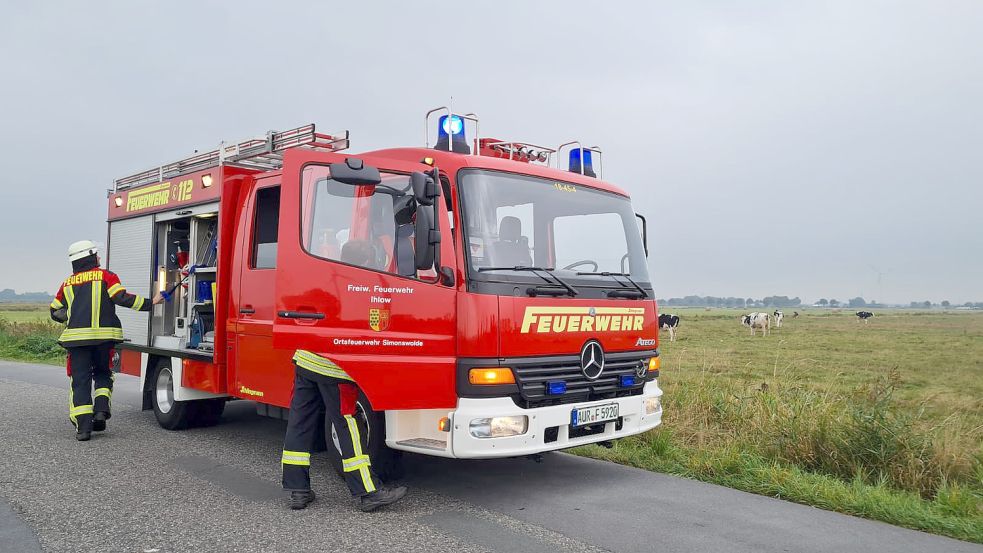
(386, 463)
(171, 414)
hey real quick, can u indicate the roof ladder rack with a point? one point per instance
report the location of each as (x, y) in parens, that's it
(263, 154)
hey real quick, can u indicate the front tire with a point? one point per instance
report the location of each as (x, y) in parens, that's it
(386, 463)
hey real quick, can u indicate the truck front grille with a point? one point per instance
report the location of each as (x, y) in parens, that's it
(531, 376)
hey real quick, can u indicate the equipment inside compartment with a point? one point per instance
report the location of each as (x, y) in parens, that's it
(185, 258)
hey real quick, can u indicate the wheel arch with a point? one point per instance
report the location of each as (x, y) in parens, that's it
(149, 364)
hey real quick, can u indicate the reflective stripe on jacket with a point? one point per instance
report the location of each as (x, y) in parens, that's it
(320, 365)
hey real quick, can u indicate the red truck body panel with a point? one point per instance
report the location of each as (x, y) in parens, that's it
(399, 337)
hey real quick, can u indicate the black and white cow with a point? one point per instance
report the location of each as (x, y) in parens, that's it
(755, 321)
(669, 322)
(863, 316)
(778, 318)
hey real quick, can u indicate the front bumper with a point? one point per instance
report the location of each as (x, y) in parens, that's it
(551, 422)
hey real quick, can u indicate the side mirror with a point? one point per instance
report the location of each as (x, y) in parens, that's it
(427, 237)
(425, 188)
(354, 172)
(645, 233)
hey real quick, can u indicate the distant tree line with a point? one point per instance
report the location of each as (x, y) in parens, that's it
(946, 304)
(7, 295)
(713, 301)
(785, 301)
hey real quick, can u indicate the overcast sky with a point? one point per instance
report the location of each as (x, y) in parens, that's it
(786, 148)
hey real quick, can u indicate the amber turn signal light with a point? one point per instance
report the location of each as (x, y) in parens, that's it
(491, 375)
(654, 363)
(444, 424)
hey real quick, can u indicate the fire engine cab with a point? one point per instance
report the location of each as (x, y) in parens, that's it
(490, 298)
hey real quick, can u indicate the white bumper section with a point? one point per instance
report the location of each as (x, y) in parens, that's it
(464, 445)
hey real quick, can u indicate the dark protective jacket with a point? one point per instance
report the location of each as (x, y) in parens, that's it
(87, 302)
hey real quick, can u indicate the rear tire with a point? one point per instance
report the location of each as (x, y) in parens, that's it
(178, 415)
(386, 463)
(171, 414)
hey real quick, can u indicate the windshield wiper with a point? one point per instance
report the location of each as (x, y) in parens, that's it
(536, 290)
(616, 293)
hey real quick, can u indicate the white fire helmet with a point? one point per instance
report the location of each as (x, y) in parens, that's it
(82, 248)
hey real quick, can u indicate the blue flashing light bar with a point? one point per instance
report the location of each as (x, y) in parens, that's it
(556, 388)
(588, 162)
(627, 380)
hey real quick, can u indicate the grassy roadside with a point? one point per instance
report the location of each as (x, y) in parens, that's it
(26, 334)
(883, 421)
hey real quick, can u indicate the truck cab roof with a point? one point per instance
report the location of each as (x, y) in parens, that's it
(456, 161)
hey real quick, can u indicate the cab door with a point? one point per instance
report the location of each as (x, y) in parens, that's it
(261, 372)
(347, 287)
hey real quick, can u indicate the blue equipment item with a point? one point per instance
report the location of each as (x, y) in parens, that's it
(168, 294)
(204, 292)
(197, 331)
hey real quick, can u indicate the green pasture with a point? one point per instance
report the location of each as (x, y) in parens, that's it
(882, 420)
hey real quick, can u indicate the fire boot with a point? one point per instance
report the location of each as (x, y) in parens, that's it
(381, 498)
(300, 500)
(99, 421)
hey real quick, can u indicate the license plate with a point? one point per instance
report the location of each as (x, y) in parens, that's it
(594, 414)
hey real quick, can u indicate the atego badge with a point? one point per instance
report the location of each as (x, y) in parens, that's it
(378, 319)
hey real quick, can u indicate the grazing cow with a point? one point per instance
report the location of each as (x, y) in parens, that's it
(795, 314)
(778, 318)
(863, 316)
(669, 322)
(755, 321)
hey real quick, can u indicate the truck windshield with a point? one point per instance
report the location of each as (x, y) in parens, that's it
(575, 231)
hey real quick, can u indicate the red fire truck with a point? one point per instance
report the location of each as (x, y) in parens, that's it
(487, 302)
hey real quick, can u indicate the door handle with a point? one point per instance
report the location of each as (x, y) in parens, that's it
(299, 315)
(247, 311)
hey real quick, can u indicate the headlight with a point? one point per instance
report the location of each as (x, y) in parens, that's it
(499, 427)
(653, 405)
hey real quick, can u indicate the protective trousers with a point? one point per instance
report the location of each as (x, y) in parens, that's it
(313, 395)
(88, 365)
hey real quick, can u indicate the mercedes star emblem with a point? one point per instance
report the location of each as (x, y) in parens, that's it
(592, 359)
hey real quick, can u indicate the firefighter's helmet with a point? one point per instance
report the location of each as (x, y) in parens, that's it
(81, 249)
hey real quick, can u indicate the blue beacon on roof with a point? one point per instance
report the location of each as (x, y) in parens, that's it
(588, 162)
(450, 134)
(451, 125)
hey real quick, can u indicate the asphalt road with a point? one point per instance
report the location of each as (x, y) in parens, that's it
(140, 488)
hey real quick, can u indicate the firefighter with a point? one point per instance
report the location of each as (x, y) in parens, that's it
(320, 382)
(86, 302)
